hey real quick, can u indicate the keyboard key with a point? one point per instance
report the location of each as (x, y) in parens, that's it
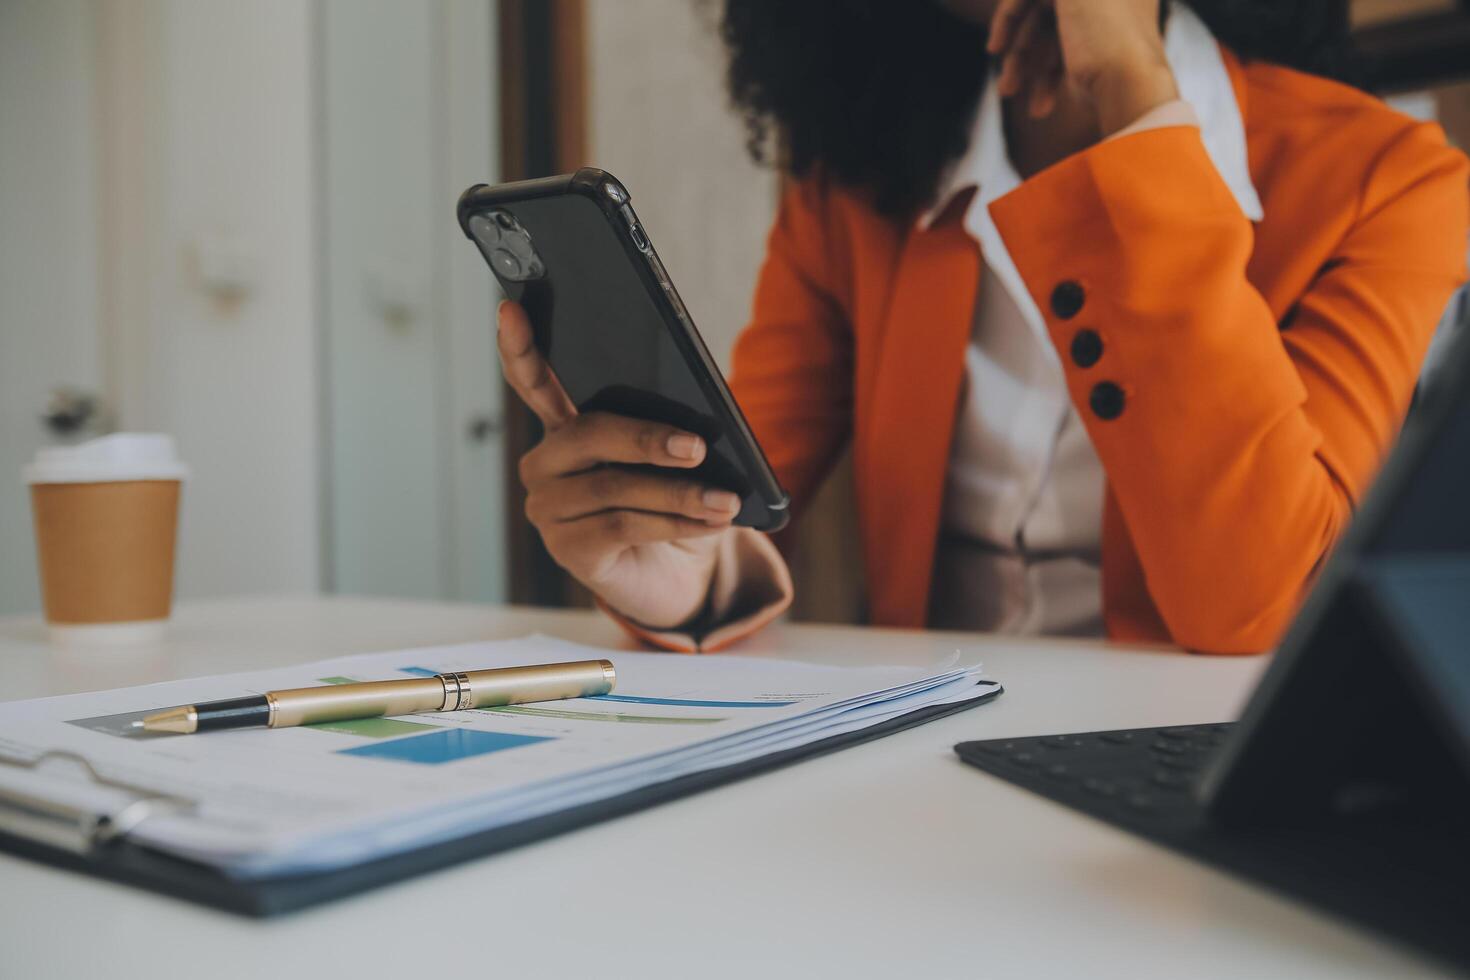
(1171, 780)
(1187, 731)
(1170, 748)
(1117, 738)
(1101, 787)
(1140, 801)
(1024, 759)
(1187, 764)
(1060, 741)
(1059, 771)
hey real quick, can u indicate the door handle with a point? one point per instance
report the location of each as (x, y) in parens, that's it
(481, 427)
(71, 411)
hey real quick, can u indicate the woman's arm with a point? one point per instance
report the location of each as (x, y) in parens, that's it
(1237, 447)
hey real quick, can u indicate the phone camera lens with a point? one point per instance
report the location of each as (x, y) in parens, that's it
(484, 229)
(506, 263)
(505, 220)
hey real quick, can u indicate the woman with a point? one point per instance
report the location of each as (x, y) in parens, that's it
(1119, 321)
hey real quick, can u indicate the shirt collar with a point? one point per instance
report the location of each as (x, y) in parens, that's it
(1204, 82)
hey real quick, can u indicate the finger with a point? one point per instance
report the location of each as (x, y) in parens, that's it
(1047, 83)
(598, 437)
(1016, 64)
(1027, 52)
(1043, 100)
(527, 371)
(1003, 23)
(610, 488)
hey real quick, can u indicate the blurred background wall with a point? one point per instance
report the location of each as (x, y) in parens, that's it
(48, 149)
(234, 222)
(657, 117)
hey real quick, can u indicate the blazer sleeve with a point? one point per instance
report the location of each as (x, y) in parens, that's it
(1237, 446)
(792, 378)
(792, 367)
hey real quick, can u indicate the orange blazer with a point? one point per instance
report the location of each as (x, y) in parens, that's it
(1251, 377)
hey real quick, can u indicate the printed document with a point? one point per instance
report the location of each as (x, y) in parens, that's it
(266, 802)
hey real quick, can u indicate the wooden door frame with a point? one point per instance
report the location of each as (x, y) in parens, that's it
(543, 112)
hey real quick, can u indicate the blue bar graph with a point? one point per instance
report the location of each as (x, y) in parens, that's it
(444, 745)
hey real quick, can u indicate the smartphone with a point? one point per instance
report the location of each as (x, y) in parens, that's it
(610, 322)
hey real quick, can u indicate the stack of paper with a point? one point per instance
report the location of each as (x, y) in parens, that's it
(271, 802)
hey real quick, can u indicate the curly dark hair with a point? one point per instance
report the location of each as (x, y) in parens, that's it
(879, 94)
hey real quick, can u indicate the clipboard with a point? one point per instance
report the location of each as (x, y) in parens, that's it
(98, 844)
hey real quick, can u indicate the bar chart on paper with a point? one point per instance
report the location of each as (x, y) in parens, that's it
(444, 745)
(269, 802)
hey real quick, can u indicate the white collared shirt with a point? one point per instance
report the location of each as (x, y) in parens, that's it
(1021, 526)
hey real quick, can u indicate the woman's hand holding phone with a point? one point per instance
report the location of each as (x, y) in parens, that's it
(644, 542)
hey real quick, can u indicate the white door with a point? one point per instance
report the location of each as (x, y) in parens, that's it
(415, 475)
(138, 143)
(341, 409)
(48, 259)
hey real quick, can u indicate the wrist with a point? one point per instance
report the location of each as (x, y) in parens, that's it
(1124, 95)
(664, 613)
(681, 603)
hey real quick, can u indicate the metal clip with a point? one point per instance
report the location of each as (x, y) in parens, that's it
(74, 828)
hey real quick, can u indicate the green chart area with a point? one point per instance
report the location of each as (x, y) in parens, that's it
(521, 709)
(371, 727)
(366, 727)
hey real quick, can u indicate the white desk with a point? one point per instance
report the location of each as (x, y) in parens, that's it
(888, 859)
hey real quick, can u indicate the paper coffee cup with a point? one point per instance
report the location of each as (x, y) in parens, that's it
(106, 518)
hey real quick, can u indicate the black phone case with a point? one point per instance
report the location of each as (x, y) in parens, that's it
(613, 328)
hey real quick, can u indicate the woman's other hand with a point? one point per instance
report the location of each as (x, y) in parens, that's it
(1109, 51)
(644, 542)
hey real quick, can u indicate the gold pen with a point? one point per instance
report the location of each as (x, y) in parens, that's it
(373, 699)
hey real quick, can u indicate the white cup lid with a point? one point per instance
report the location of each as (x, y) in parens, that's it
(118, 457)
